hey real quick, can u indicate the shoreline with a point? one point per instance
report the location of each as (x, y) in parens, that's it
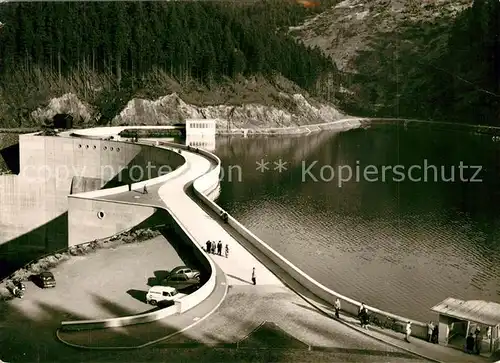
(360, 122)
(343, 124)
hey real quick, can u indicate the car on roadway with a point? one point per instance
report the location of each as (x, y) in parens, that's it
(162, 294)
(182, 282)
(44, 280)
(189, 272)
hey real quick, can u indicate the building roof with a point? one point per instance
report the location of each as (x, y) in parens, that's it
(478, 311)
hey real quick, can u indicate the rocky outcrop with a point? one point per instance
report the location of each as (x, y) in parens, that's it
(296, 110)
(66, 104)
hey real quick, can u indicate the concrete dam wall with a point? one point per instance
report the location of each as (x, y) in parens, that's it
(34, 204)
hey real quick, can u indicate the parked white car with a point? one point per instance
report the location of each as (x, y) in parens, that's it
(158, 294)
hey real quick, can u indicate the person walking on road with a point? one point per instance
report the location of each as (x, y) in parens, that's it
(227, 250)
(254, 278)
(213, 246)
(145, 190)
(408, 331)
(430, 330)
(209, 246)
(337, 308)
(219, 248)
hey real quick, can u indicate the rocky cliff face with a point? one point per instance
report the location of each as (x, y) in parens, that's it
(67, 104)
(170, 109)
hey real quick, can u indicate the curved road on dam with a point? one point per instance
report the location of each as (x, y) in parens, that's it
(251, 318)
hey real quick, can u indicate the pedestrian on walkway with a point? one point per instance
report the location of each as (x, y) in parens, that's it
(408, 331)
(478, 341)
(219, 248)
(227, 250)
(469, 344)
(208, 246)
(337, 308)
(129, 187)
(363, 316)
(430, 330)
(435, 334)
(145, 191)
(254, 278)
(213, 247)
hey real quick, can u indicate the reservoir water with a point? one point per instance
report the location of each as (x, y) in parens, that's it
(399, 245)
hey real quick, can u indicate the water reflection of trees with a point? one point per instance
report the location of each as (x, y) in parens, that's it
(387, 146)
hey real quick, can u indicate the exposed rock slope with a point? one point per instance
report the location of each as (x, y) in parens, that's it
(172, 109)
(67, 104)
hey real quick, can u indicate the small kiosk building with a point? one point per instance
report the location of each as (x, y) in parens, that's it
(458, 318)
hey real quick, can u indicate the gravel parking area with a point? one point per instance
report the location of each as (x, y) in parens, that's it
(107, 283)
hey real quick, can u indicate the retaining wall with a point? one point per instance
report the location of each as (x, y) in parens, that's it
(207, 268)
(48, 164)
(62, 158)
(90, 219)
(118, 322)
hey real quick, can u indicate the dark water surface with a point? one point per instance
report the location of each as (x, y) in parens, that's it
(400, 246)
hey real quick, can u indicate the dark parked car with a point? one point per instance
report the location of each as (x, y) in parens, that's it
(189, 272)
(45, 279)
(182, 282)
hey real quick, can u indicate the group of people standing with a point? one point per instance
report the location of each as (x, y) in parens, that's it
(474, 340)
(216, 248)
(364, 318)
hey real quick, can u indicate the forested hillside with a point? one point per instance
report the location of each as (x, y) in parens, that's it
(109, 52)
(434, 59)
